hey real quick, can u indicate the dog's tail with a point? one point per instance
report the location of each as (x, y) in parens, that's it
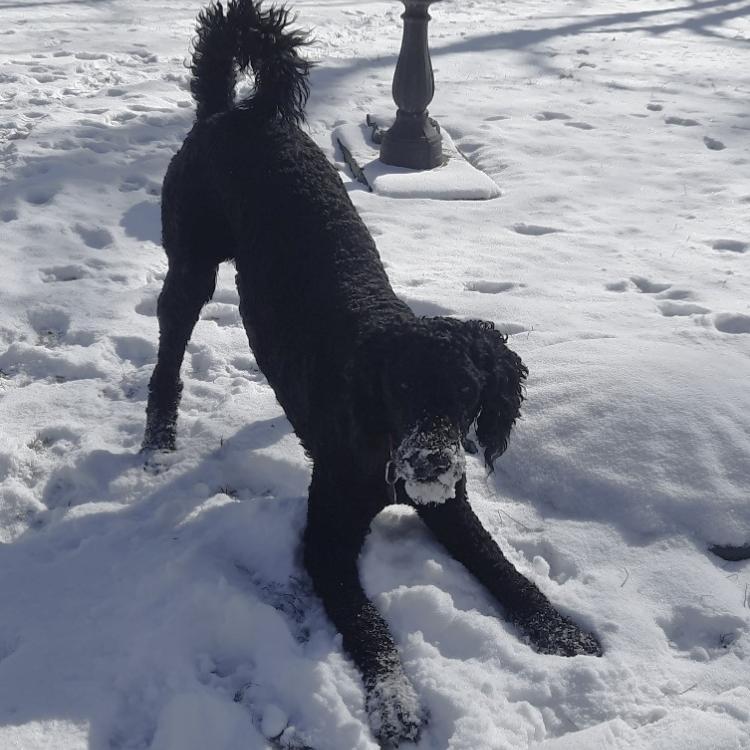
(248, 36)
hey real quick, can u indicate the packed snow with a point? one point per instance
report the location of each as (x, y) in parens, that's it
(169, 609)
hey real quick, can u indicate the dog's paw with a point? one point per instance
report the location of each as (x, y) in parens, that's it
(552, 633)
(393, 711)
(156, 450)
(154, 462)
(159, 438)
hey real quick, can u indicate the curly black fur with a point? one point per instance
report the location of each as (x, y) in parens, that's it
(248, 36)
(357, 373)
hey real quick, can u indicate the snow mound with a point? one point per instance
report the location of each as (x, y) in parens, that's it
(651, 437)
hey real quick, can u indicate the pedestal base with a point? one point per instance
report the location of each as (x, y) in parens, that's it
(412, 142)
(454, 179)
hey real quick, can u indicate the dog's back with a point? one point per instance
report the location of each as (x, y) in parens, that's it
(249, 185)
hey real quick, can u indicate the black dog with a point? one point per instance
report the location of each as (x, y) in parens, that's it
(382, 400)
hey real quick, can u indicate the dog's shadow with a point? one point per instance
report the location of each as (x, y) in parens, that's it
(99, 476)
(105, 546)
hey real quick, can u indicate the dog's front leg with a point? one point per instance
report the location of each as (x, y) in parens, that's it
(457, 527)
(339, 516)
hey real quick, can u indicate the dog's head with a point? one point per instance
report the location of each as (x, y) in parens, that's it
(429, 382)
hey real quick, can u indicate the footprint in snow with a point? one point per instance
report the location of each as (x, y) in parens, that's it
(490, 287)
(672, 309)
(579, 125)
(50, 323)
(55, 439)
(62, 273)
(649, 287)
(673, 303)
(94, 237)
(546, 116)
(534, 230)
(732, 322)
(41, 195)
(616, 286)
(712, 144)
(703, 634)
(139, 351)
(676, 293)
(733, 246)
(685, 122)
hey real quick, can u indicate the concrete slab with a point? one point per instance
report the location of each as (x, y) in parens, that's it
(456, 179)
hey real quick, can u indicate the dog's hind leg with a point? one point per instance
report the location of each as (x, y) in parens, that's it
(457, 527)
(339, 516)
(187, 287)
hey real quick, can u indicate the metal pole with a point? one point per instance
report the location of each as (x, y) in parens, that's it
(414, 139)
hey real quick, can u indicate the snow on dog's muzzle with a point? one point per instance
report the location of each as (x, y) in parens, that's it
(430, 460)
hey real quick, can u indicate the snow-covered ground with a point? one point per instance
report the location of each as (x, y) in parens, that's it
(170, 611)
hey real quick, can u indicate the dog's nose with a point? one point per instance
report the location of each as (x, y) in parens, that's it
(429, 450)
(428, 465)
(430, 459)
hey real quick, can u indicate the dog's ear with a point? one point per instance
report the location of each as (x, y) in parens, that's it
(503, 374)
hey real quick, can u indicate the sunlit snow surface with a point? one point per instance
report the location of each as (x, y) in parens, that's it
(169, 610)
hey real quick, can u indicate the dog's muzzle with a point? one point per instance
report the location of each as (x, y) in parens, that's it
(430, 460)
